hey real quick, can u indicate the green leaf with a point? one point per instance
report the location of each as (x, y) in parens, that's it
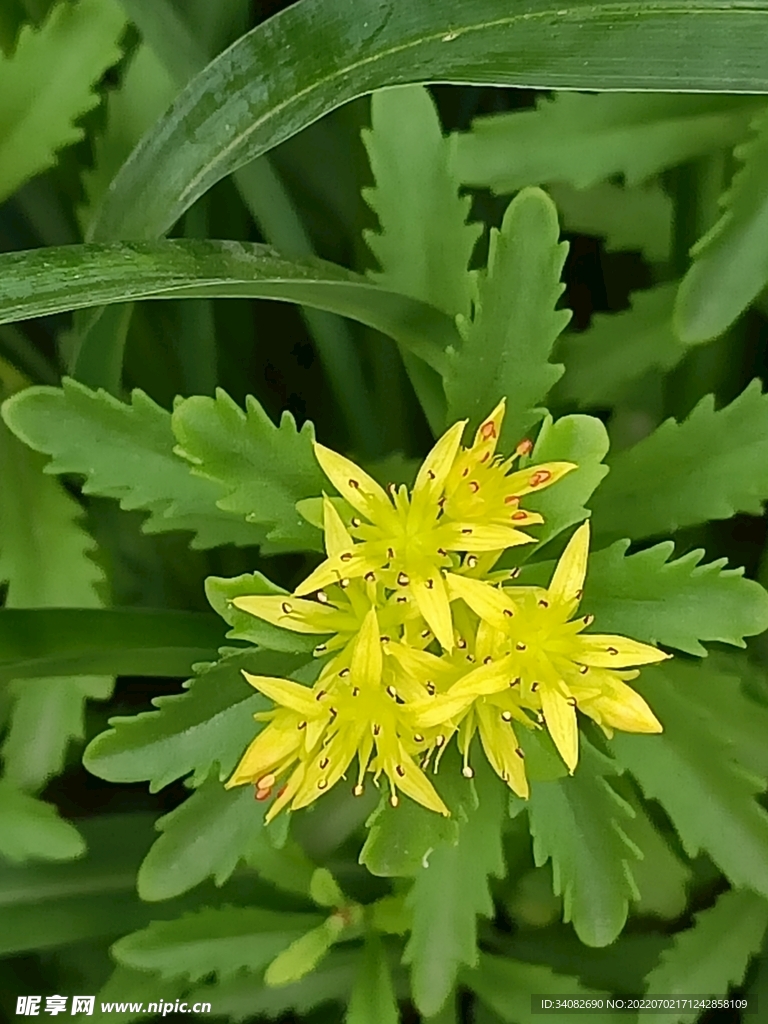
(142, 987)
(730, 263)
(507, 342)
(144, 93)
(578, 823)
(124, 452)
(31, 829)
(324, 889)
(582, 139)
(40, 109)
(209, 725)
(262, 469)
(711, 466)
(45, 560)
(506, 986)
(104, 641)
(629, 219)
(579, 439)
(44, 281)
(220, 593)
(618, 348)
(217, 941)
(373, 997)
(424, 244)
(207, 835)
(692, 772)
(304, 953)
(242, 997)
(711, 956)
(342, 52)
(677, 603)
(449, 893)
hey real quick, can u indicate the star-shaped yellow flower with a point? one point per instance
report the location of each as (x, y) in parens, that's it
(461, 501)
(534, 647)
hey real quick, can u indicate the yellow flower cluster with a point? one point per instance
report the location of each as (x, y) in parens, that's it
(423, 640)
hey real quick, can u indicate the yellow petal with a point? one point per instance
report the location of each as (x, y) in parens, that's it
(276, 743)
(428, 714)
(484, 680)
(299, 616)
(407, 776)
(537, 478)
(487, 434)
(568, 579)
(431, 599)
(478, 537)
(561, 724)
(489, 602)
(337, 538)
(348, 565)
(501, 748)
(620, 706)
(360, 490)
(606, 651)
(433, 473)
(288, 694)
(328, 765)
(367, 659)
(286, 793)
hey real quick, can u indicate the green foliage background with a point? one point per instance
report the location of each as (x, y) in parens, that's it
(334, 257)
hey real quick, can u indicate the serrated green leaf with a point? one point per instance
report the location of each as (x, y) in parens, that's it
(712, 955)
(424, 244)
(373, 997)
(582, 440)
(46, 561)
(219, 941)
(582, 139)
(246, 995)
(125, 452)
(692, 772)
(730, 263)
(449, 893)
(577, 822)
(507, 342)
(33, 830)
(209, 725)
(143, 989)
(40, 109)
(618, 348)
(144, 93)
(220, 593)
(506, 986)
(207, 835)
(711, 466)
(262, 469)
(629, 219)
(676, 602)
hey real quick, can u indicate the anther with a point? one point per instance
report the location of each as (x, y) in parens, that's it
(392, 692)
(442, 551)
(571, 701)
(286, 608)
(540, 477)
(354, 522)
(430, 687)
(425, 633)
(321, 649)
(534, 687)
(488, 430)
(612, 650)
(468, 771)
(390, 553)
(322, 784)
(354, 483)
(472, 562)
(588, 620)
(262, 794)
(522, 514)
(400, 770)
(370, 577)
(394, 800)
(325, 762)
(322, 597)
(506, 716)
(430, 474)
(524, 447)
(430, 584)
(485, 457)
(514, 573)
(583, 669)
(301, 725)
(520, 646)
(508, 612)
(474, 486)
(467, 530)
(579, 594)
(344, 673)
(346, 556)
(376, 730)
(418, 738)
(520, 752)
(355, 691)
(402, 579)
(470, 657)
(357, 790)
(543, 603)
(344, 583)
(515, 682)
(402, 600)
(439, 740)
(465, 472)
(488, 660)
(512, 499)
(266, 782)
(461, 643)
(384, 639)
(321, 693)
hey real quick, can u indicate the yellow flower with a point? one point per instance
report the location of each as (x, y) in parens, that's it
(405, 540)
(533, 647)
(352, 711)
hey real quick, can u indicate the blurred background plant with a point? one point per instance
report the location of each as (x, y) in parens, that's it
(646, 873)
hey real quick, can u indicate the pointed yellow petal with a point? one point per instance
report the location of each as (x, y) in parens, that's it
(487, 434)
(490, 603)
(337, 538)
(484, 680)
(407, 776)
(348, 565)
(299, 616)
(620, 706)
(568, 579)
(367, 659)
(328, 765)
(561, 724)
(286, 793)
(478, 537)
(431, 598)
(360, 490)
(501, 748)
(537, 478)
(428, 714)
(288, 694)
(434, 471)
(606, 651)
(276, 743)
